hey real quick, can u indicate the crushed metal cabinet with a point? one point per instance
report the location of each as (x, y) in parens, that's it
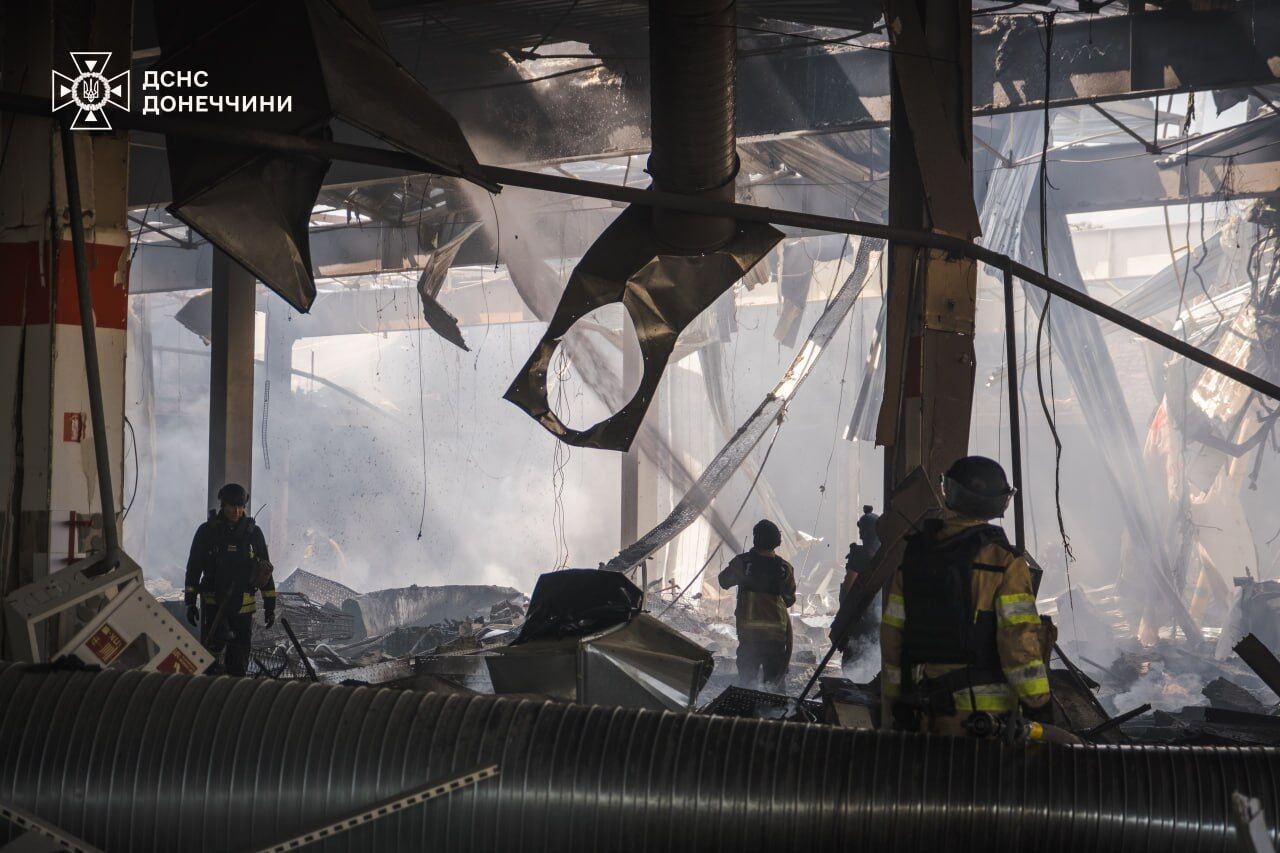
(131, 630)
(134, 631)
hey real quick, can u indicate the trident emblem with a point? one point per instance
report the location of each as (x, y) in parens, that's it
(91, 90)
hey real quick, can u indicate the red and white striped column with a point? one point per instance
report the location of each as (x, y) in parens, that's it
(48, 481)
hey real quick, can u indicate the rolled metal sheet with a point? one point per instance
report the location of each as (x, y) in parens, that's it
(133, 761)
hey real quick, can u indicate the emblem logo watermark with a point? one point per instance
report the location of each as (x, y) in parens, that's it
(91, 91)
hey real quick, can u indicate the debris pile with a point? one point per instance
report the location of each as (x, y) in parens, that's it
(378, 612)
(319, 590)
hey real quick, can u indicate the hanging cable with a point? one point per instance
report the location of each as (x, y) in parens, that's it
(133, 443)
(1051, 416)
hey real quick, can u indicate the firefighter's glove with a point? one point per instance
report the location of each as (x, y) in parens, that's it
(193, 614)
(270, 617)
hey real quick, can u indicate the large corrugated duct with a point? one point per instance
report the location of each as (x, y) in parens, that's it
(693, 73)
(132, 761)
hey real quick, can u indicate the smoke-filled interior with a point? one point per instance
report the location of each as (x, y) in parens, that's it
(425, 421)
(387, 457)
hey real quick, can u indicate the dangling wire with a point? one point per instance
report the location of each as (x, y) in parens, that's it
(1051, 416)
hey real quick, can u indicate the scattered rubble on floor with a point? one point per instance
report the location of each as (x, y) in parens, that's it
(465, 639)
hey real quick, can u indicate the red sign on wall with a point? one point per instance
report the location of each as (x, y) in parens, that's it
(73, 426)
(106, 644)
(176, 661)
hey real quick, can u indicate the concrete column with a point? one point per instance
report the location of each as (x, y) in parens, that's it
(231, 377)
(932, 298)
(279, 365)
(50, 512)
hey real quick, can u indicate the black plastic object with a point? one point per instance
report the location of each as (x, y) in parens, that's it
(577, 602)
(142, 762)
(256, 206)
(737, 701)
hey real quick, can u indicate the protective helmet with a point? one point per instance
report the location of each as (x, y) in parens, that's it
(766, 535)
(976, 486)
(233, 494)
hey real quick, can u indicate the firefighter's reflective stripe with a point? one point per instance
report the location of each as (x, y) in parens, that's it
(895, 613)
(890, 680)
(268, 593)
(1030, 681)
(191, 590)
(1016, 610)
(985, 697)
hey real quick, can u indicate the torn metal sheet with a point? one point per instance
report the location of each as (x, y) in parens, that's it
(258, 214)
(256, 206)
(432, 279)
(640, 663)
(795, 277)
(730, 457)
(662, 292)
(196, 315)
(862, 424)
(538, 286)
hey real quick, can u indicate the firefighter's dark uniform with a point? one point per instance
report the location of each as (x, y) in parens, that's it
(960, 632)
(766, 589)
(226, 560)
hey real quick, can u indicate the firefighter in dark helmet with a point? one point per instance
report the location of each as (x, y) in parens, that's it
(227, 566)
(960, 633)
(766, 589)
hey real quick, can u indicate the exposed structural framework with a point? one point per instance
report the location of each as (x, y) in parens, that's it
(770, 411)
(287, 143)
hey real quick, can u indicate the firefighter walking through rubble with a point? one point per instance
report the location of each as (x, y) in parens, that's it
(766, 589)
(227, 566)
(960, 632)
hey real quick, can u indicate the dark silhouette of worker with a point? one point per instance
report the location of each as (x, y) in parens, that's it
(857, 563)
(766, 588)
(227, 566)
(861, 552)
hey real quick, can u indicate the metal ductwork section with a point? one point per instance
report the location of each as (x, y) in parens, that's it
(664, 267)
(692, 77)
(133, 761)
